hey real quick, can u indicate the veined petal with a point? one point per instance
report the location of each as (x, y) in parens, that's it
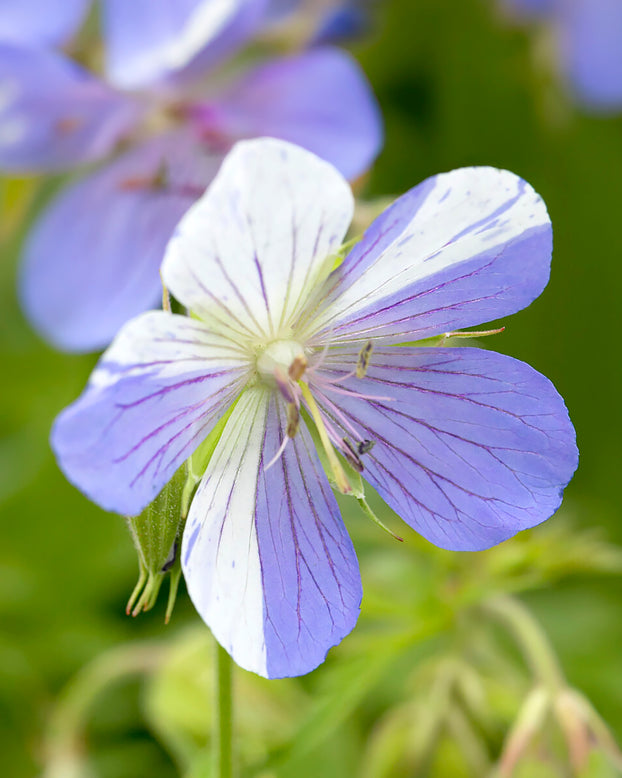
(151, 400)
(53, 114)
(47, 22)
(266, 557)
(250, 252)
(319, 100)
(460, 249)
(147, 41)
(591, 48)
(471, 447)
(92, 260)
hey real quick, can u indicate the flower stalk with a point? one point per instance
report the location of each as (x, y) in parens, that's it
(223, 718)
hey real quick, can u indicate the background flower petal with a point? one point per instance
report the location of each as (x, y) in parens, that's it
(53, 114)
(92, 260)
(250, 252)
(47, 22)
(591, 48)
(151, 401)
(472, 447)
(266, 557)
(531, 8)
(320, 100)
(147, 41)
(460, 249)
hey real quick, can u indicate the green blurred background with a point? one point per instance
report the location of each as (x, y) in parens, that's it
(457, 87)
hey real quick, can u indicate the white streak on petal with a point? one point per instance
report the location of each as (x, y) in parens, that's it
(474, 242)
(250, 253)
(220, 554)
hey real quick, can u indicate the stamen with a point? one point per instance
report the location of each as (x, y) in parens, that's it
(351, 455)
(363, 360)
(278, 454)
(293, 420)
(365, 446)
(297, 367)
(340, 477)
(166, 298)
(284, 386)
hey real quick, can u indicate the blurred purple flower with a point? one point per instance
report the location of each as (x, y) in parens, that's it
(588, 36)
(470, 446)
(91, 261)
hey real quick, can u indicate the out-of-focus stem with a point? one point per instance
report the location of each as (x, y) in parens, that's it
(223, 718)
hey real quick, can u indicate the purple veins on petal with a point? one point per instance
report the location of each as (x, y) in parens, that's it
(319, 100)
(249, 254)
(472, 447)
(53, 114)
(152, 399)
(268, 562)
(460, 249)
(92, 260)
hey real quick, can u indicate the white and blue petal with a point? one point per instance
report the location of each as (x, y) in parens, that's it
(266, 557)
(319, 100)
(92, 260)
(250, 253)
(55, 115)
(459, 249)
(147, 42)
(470, 446)
(41, 22)
(152, 399)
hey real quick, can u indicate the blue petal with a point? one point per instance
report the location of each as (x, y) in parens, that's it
(471, 446)
(531, 8)
(147, 42)
(320, 100)
(151, 401)
(460, 249)
(92, 260)
(267, 560)
(47, 22)
(591, 48)
(348, 20)
(53, 114)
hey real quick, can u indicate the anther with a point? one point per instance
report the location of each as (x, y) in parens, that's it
(363, 360)
(293, 420)
(352, 456)
(365, 446)
(297, 367)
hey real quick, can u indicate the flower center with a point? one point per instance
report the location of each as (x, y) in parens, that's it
(276, 360)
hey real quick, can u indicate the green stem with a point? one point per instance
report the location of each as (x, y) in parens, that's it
(223, 720)
(534, 643)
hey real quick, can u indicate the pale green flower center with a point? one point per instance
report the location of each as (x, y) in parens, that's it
(277, 358)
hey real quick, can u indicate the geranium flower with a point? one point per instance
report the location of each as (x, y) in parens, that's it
(466, 445)
(587, 36)
(91, 261)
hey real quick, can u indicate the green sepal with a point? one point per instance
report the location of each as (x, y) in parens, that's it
(353, 476)
(371, 515)
(156, 533)
(199, 460)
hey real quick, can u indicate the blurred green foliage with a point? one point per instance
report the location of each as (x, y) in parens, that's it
(457, 87)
